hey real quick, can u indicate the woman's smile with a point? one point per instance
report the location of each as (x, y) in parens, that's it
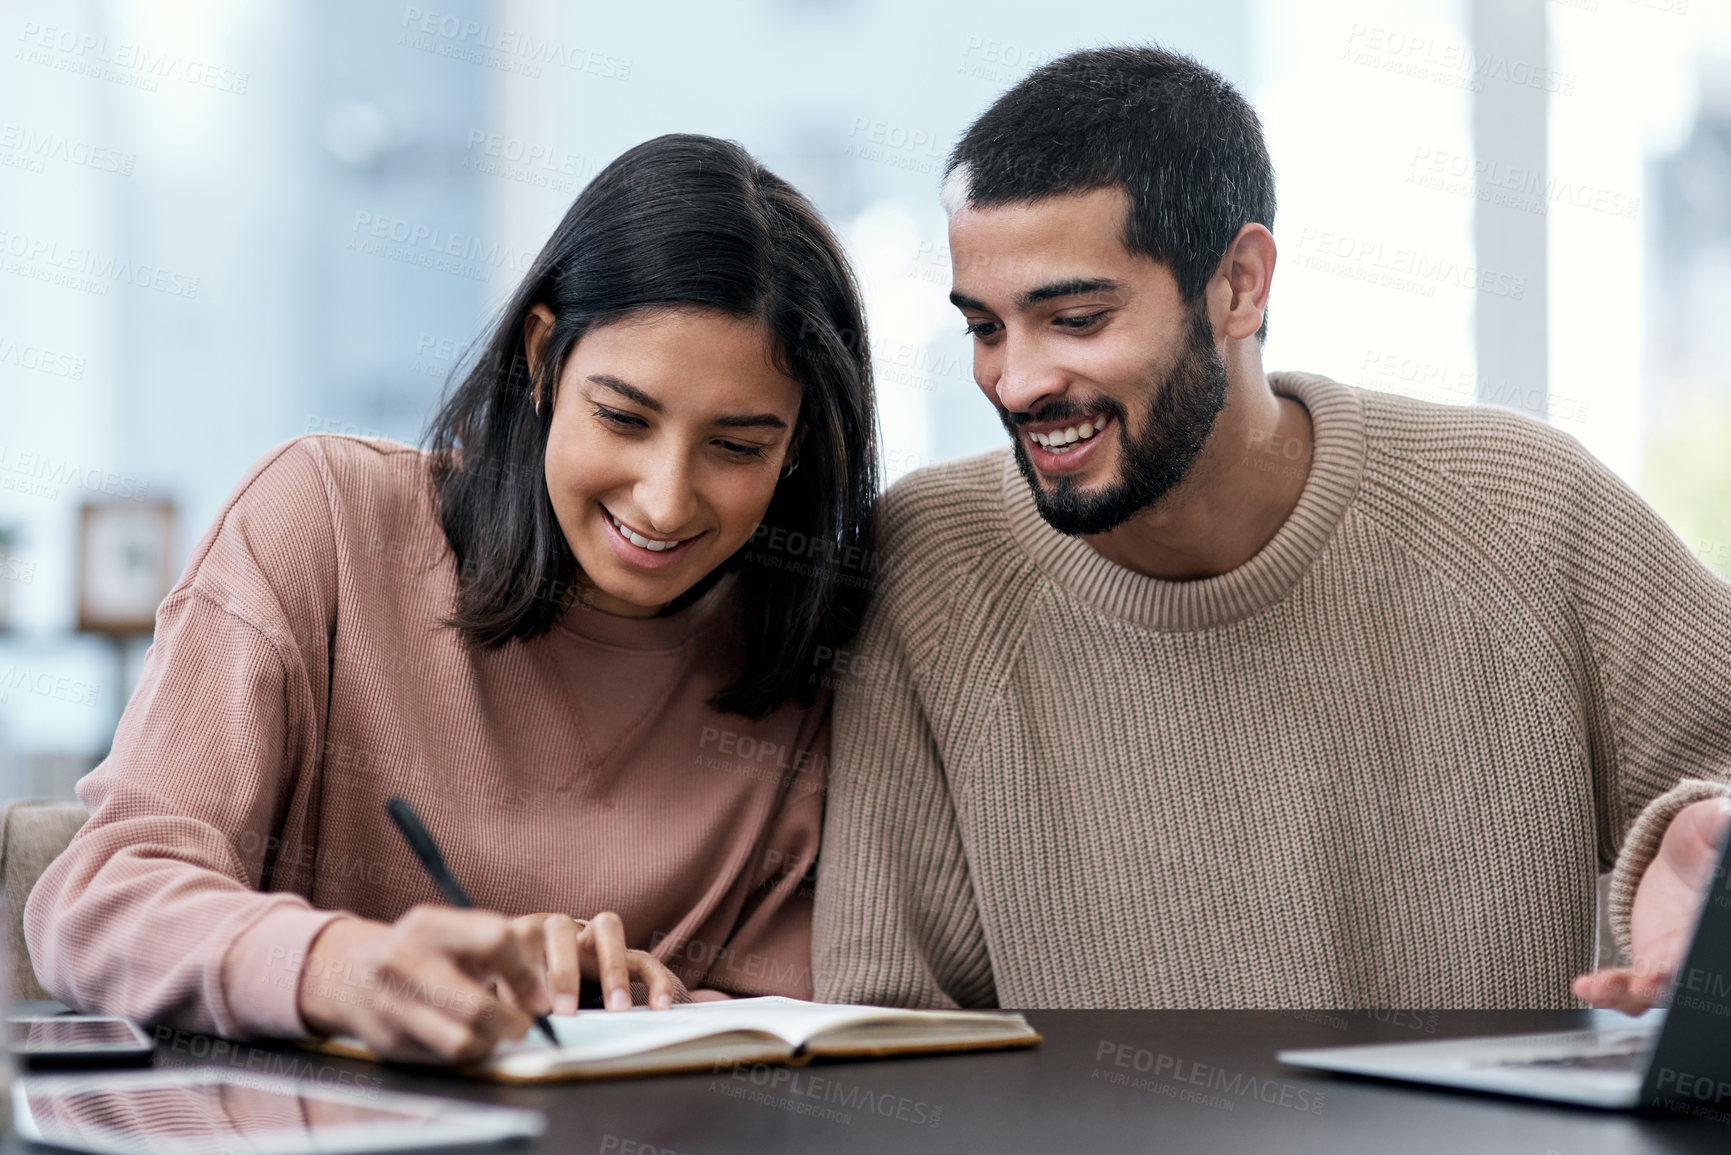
(640, 549)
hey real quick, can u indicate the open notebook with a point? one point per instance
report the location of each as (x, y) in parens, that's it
(704, 1036)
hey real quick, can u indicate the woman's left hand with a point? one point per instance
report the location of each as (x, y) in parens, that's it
(594, 949)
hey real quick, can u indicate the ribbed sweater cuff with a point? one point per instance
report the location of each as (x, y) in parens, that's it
(261, 974)
(1642, 844)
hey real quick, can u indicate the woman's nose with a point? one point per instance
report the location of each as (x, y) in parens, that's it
(665, 494)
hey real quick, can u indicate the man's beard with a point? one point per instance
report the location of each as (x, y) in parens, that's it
(1175, 426)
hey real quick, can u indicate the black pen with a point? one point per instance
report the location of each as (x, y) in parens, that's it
(427, 851)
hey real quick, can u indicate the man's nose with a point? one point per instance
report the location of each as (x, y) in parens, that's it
(1026, 378)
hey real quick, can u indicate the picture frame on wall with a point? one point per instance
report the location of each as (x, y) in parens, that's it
(125, 565)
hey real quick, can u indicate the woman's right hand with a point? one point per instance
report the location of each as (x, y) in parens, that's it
(445, 985)
(421, 988)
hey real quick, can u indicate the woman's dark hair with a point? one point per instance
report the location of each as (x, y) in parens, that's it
(677, 221)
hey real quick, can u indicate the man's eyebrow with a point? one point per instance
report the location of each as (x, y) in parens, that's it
(1074, 287)
(629, 392)
(733, 421)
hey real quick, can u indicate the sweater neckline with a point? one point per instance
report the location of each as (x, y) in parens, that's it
(666, 632)
(1337, 463)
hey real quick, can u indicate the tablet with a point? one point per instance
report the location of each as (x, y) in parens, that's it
(77, 1040)
(200, 1111)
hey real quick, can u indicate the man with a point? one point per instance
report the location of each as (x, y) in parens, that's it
(1219, 689)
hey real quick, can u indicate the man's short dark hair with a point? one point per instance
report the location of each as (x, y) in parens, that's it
(1175, 136)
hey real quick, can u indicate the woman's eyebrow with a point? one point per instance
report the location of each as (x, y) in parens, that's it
(629, 392)
(755, 420)
(633, 393)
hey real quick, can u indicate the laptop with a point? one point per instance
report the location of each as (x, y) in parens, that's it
(1677, 1059)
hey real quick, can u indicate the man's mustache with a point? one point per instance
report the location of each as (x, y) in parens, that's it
(1061, 410)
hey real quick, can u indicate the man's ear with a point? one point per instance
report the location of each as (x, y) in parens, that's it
(1248, 272)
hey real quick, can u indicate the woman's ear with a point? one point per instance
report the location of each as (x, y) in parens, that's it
(790, 460)
(537, 327)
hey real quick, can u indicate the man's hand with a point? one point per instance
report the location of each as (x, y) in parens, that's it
(1662, 918)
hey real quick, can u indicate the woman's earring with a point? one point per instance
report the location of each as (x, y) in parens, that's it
(787, 470)
(535, 398)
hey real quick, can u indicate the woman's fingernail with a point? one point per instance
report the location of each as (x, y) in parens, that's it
(618, 999)
(663, 1000)
(564, 1004)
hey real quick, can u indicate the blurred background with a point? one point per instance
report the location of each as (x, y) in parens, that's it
(223, 225)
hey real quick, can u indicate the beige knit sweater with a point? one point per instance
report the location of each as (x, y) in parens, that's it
(1378, 765)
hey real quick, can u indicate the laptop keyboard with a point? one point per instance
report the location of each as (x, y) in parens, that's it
(1621, 1059)
(1620, 1050)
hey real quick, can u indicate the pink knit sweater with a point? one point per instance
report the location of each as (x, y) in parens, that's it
(300, 677)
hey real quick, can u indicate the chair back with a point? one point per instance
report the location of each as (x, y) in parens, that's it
(33, 832)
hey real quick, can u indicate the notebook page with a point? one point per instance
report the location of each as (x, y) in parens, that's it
(592, 1035)
(598, 1035)
(793, 1020)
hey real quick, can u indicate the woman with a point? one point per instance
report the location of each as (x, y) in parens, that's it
(561, 633)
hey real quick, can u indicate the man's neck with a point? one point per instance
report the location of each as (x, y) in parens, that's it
(1236, 496)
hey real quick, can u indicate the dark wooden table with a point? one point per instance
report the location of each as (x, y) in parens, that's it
(1103, 1081)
